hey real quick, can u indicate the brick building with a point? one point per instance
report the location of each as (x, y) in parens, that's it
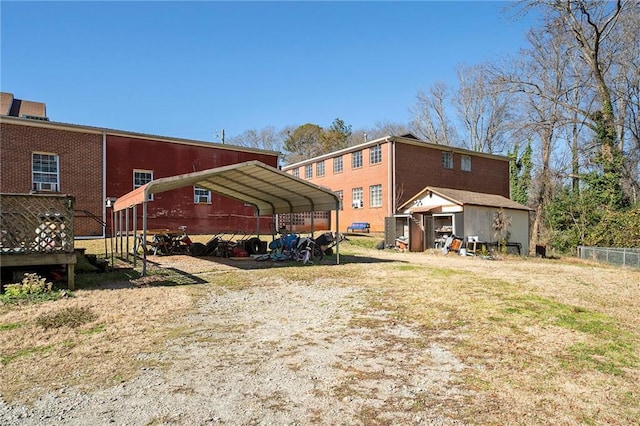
(93, 164)
(376, 177)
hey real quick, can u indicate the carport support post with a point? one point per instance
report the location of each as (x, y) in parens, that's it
(126, 226)
(338, 237)
(111, 236)
(144, 238)
(120, 231)
(135, 229)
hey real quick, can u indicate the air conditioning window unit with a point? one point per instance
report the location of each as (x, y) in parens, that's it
(357, 204)
(46, 186)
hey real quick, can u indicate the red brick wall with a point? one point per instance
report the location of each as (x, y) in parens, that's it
(418, 167)
(363, 177)
(80, 156)
(415, 168)
(176, 208)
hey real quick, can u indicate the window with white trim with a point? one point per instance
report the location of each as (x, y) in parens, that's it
(308, 171)
(375, 154)
(447, 160)
(375, 196)
(45, 170)
(320, 168)
(295, 172)
(201, 195)
(356, 160)
(337, 165)
(356, 198)
(465, 163)
(142, 177)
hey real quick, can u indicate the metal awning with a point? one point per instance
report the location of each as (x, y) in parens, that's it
(268, 189)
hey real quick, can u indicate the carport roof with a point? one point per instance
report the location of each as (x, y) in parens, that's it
(268, 189)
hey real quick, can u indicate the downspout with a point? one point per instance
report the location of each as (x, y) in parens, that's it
(392, 177)
(104, 183)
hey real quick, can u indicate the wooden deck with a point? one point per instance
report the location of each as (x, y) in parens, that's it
(37, 230)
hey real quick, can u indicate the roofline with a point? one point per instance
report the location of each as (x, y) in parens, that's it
(398, 139)
(100, 130)
(458, 202)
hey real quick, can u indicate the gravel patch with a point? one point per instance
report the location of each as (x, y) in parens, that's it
(274, 355)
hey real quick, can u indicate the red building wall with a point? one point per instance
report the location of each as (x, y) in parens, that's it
(361, 177)
(176, 208)
(405, 170)
(421, 166)
(80, 162)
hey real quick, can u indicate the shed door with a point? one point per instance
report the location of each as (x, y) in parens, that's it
(416, 239)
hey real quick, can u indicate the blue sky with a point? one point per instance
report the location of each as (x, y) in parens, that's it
(190, 69)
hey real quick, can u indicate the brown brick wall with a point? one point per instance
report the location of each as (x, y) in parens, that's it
(415, 168)
(418, 167)
(80, 166)
(363, 177)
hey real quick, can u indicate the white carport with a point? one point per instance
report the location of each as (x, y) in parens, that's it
(269, 190)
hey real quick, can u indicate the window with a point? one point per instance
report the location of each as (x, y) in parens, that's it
(320, 168)
(45, 172)
(295, 172)
(465, 163)
(447, 160)
(375, 196)
(340, 194)
(201, 196)
(356, 198)
(356, 160)
(337, 165)
(308, 171)
(141, 177)
(375, 154)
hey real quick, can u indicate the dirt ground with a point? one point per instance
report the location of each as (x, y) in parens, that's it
(250, 344)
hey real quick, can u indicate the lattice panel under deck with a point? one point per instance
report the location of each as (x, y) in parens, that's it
(36, 224)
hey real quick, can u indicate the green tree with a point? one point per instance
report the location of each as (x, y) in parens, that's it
(304, 142)
(336, 136)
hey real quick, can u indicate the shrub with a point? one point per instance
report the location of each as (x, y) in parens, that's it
(32, 288)
(71, 317)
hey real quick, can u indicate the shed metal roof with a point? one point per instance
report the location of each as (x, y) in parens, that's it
(269, 190)
(462, 198)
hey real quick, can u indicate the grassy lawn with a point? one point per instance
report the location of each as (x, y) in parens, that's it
(543, 341)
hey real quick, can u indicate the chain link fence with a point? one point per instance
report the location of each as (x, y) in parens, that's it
(613, 255)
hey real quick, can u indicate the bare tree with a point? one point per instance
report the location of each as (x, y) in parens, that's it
(430, 121)
(599, 33)
(538, 81)
(483, 111)
(266, 138)
(381, 129)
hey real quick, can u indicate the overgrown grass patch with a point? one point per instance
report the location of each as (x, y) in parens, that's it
(72, 316)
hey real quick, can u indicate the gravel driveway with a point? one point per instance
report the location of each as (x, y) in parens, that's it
(277, 354)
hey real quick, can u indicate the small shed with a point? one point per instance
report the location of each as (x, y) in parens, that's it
(434, 214)
(37, 230)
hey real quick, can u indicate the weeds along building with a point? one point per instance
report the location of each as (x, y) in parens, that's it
(95, 164)
(376, 177)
